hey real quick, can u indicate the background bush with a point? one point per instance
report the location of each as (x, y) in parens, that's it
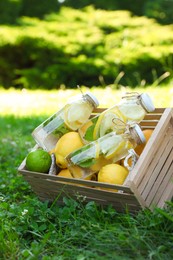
(11, 10)
(84, 47)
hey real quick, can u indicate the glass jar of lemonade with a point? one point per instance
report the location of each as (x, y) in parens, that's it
(132, 108)
(110, 148)
(72, 116)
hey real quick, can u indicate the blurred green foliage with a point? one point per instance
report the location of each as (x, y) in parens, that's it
(161, 10)
(11, 10)
(85, 46)
(88, 47)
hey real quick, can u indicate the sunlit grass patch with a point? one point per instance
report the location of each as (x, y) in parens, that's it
(41, 102)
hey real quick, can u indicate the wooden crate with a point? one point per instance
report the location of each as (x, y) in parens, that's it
(149, 184)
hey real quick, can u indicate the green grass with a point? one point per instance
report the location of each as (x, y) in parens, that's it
(31, 229)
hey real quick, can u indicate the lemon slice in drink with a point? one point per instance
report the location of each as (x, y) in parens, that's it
(132, 112)
(119, 150)
(76, 114)
(115, 150)
(106, 123)
(109, 142)
(97, 150)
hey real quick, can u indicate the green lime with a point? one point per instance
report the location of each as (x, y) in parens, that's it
(38, 161)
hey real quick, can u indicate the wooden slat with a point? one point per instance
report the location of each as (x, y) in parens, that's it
(119, 205)
(160, 186)
(156, 111)
(156, 114)
(137, 195)
(52, 187)
(150, 149)
(168, 194)
(149, 124)
(148, 127)
(158, 174)
(157, 162)
(150, 117)
(39, 177)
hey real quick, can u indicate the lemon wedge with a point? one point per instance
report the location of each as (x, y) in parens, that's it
(115, 150)
(106, 123)
(97, 150)
(119, 150)
(132, 112)
(109, 142)
(75, 115)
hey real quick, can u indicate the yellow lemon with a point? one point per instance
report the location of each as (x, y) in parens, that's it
(79, 173)
(65, 145)
(65, 173)
(100, 162)
(113, 174)
(147, 133)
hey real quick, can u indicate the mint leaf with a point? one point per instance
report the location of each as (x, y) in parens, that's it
(89, 132)
(61, 130)
(88, 163)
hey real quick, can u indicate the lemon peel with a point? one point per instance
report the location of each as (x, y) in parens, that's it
(112, 174)
(65, 145)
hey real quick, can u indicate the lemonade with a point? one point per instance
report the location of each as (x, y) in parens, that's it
(112, 147)
(132, 108)
(72, 116)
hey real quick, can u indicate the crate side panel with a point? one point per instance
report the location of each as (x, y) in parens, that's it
(153, 145)
(160, 191)
(52, 187)
(167, 195)
(104, 203)
(34, 177)
(159, 172)
(156, 165)
(50, 190)
(118, 204)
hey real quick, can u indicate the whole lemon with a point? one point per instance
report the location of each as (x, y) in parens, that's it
(147, 133)
(65, 145)
(65, 173)
(38, 161)
(100, 162)
(112, 174)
